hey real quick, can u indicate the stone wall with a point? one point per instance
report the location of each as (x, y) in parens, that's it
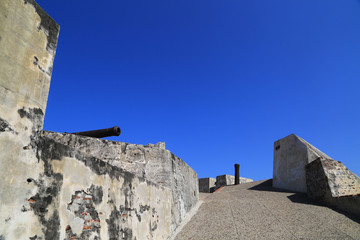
(225, 180)
(53, 189)
(207, 185)
(28, 38)
(330, 182)
(152, 162)
(291, 154)
(71, 195)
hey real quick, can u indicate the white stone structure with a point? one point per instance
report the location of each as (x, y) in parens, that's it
(291, 154)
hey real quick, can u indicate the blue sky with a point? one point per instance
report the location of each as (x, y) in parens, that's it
(218, 81)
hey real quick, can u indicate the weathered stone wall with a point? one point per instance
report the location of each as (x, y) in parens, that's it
(28, 38)
(54, 190)
(207, 185)
(152, 162)
(329, 181)
(95, 199)
(291, 154)
(225, 180)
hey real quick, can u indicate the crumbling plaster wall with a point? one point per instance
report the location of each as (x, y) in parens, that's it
(28, 38)
(51, 190)
(95, 199)
(152, 162)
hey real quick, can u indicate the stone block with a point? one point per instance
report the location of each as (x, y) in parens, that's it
(330, 182)
(207, 185)
(291, 154)
(225, 180)
(245, 180)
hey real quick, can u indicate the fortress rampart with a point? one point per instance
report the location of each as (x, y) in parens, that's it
(63, 186)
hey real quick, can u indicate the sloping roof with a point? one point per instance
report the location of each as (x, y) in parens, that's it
(257, 211)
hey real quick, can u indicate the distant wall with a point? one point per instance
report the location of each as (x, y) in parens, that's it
(206, 185)
(291, 154)
(225, 180)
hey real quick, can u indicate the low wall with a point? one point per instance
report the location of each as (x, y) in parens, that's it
(225, 180)
(55, 191)
(152, 162)
(78, 196)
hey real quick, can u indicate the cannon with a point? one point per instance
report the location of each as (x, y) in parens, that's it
(101, 133)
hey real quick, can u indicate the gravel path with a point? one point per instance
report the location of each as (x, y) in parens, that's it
(257, 211)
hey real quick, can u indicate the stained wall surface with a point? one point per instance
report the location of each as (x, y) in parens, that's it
(291, 154)
(152, 162)
(91, 199)
(28, 39)
(54, 190)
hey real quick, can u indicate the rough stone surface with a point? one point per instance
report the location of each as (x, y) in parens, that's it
(207, 185)
(54, 190)
(225, 180)
(291, 154)
(95, 200)
(330, 182)
(258, 211)
(152, 162)
(28, 44)
(28, 40)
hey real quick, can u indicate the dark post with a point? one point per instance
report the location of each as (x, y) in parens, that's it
(237, 174)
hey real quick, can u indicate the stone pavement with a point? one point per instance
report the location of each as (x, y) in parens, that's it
(257, 211)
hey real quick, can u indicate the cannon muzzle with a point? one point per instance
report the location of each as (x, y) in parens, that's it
(101, 133)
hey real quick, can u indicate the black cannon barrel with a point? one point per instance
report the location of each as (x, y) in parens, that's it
(101, 133)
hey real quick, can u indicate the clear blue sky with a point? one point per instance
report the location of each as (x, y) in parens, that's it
(218, 81)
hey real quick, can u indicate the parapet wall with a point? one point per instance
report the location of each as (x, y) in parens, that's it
(151, 162)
